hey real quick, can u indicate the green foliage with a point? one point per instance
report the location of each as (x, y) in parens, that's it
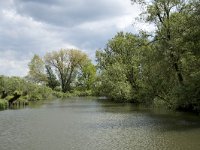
(67, 64)
(177, 45)
(162, 69)
(63, 70)
(74, 93)
(3, 104)
(37, 70)
(52, 81)
(66, 69)
(114, 83)
(39, 92)
(23, 99)
(187, 97)
(28, 91)
(86, 77)
(120, 64)
(10, 85)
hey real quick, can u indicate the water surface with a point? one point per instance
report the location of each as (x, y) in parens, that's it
(85, 124)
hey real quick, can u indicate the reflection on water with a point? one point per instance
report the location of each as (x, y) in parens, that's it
(88, 124)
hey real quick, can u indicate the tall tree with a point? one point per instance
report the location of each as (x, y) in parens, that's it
(175, 47)
(168, 16)
(66, 63)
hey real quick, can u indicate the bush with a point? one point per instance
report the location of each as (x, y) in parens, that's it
(86, 93)
(114, 85)
(28, 91)
(3, 104)
(58, 94)
(185, 97)
(23, 99)
(62, 95)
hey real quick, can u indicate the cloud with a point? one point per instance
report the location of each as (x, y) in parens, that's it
(21, 38)
(72, 12)
(31, 27)
(11, 65)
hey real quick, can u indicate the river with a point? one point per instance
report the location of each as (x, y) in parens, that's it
(89, 124)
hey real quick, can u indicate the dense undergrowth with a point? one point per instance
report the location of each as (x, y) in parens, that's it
(28, 91)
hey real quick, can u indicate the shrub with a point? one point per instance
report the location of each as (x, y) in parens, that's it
(3, 104)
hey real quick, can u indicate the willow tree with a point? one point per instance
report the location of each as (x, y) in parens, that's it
(66, 64)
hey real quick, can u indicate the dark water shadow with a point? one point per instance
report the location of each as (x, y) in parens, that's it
(140, 116)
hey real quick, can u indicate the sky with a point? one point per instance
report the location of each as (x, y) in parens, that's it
(29, 27)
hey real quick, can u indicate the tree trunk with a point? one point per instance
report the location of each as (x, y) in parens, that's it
(132, 80)
(179, 74)
(177, 69)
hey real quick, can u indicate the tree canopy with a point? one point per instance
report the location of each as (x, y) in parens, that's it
(160, 66)
(63, 68)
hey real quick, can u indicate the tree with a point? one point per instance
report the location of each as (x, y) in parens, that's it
(126, 50)
(52, 81)
(66, 63)
(87, 76)
(37, 70)
(174, 57)
(170, 17)
(114, 83)
(158, 65)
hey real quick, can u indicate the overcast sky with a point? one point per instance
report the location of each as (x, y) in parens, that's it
(29, 27)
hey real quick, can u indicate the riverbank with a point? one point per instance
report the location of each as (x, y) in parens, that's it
(20, 91)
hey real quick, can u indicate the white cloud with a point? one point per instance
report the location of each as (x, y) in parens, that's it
(11, 66)
(31, 27)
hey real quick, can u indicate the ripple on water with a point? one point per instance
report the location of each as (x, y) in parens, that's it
(83, 125)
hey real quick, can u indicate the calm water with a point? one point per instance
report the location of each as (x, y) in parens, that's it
(82, 124)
